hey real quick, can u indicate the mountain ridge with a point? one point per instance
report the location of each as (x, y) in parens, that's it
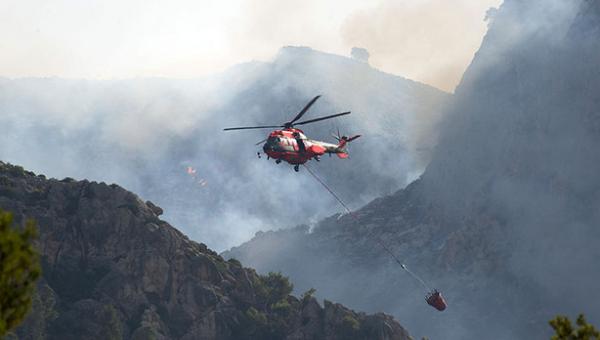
(113, 269)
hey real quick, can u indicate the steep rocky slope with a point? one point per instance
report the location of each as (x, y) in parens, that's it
(505, 218)
(112, 269)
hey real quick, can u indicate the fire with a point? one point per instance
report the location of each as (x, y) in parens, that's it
(193, 173)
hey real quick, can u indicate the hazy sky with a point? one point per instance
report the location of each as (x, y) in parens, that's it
(427, 40)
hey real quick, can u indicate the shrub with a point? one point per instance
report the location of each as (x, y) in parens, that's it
(350, 322)
(234, 262)
(308, 294)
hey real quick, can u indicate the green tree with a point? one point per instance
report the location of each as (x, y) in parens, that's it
(277, 287)
(271, 317)
(19, 269)
(564, 329)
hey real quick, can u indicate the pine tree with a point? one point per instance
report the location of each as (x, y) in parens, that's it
(19, 269)
(564, 329)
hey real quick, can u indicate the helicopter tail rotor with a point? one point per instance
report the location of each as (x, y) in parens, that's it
(343, 140)
(342, 150)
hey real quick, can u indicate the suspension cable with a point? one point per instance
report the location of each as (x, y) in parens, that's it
(369, 234)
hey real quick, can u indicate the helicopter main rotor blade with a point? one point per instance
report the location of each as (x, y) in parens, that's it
(301, 113)
(253, 127)
(323, 118)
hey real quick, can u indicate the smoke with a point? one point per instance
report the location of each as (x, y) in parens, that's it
(504, 220)
(430, 40)
(191, 38)
(144, 134)
(517, 147)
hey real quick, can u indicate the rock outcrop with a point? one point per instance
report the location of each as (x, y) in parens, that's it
(112, 269)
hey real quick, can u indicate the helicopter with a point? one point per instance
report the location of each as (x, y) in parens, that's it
(290, 144)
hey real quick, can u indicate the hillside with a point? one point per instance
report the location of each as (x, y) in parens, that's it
(112, 269)
(144, 133)
(504, 220)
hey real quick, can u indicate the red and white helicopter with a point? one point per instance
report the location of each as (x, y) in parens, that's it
(291, 144)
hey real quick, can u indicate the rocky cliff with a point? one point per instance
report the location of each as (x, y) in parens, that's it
(505, 218)
(112, 269)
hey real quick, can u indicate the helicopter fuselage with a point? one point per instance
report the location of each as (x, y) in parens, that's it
(292, 145)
